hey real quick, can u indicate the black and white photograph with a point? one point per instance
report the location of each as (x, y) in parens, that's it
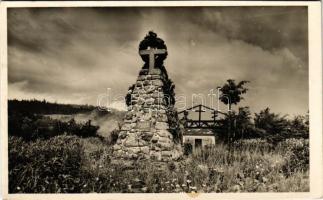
(149, 99)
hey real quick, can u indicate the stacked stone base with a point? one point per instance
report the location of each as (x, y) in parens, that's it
(146, 132)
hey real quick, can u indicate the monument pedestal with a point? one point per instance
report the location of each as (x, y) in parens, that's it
(146, 132)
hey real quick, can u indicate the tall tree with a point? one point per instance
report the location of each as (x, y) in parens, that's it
(275, 126)
(243, 126)
(232, 92)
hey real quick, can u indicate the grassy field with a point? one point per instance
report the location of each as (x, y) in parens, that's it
(70, 164)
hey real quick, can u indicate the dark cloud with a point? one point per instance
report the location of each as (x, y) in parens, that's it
(271, 28)
(75, 54)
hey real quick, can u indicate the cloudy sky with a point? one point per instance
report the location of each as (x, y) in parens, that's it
(72, 55)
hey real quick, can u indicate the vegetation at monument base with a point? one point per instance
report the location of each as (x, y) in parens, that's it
(70, 164)
(266, 152)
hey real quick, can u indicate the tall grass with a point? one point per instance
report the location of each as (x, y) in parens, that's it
(72, 164)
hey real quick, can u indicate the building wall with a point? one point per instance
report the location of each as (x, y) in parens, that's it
(206, 140)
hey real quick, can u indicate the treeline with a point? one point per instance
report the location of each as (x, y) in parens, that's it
(265, 125)
(31, 127)
(26, 119)
(43, 107)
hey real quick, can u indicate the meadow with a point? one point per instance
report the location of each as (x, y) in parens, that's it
(71, 164)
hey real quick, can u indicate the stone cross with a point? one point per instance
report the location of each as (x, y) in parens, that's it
(152, 52)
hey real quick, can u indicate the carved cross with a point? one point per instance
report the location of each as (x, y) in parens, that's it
(152, 52)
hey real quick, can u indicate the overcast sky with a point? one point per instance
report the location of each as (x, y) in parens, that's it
(72, 55)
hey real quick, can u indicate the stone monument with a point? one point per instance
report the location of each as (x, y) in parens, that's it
(150, 128)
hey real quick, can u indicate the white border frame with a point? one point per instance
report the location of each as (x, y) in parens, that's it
(315, 100)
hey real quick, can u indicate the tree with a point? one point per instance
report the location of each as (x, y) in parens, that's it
(299, 126)
(232, 92)
(276, 127)
(243, 126)
(236, 125)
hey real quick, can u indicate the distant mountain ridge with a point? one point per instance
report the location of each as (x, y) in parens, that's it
(43, 107)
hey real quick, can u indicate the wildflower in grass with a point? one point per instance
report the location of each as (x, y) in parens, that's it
(144, 189)
(129, 187)
(193, 188)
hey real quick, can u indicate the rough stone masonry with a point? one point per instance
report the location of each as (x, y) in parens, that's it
(150, 129)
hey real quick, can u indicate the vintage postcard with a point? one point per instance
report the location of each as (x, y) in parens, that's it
(176, 100)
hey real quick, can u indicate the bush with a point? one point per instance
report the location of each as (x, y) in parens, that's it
(296, 155)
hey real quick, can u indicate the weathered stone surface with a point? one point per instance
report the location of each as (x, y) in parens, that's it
(166, 153)
(150, 89)
(164, 145)
(162, 125)
(156, 94)
(154, 139)
(139, 83)
(147, 83)
(155, 155)
(127, 126)
(141, 101)
(155, 77)
(134, 150)
(145, 133)
(164, 140)
(150, 101)
(129, 115)
(116, 147)
(131, 142)
(156, 71)
(145, 150)
(162, 111)
(147, 136)
(141, 78)
(157, 83)
(147, 115)
(122, 134)
(143, 125)
(162, 118)
(163, 133)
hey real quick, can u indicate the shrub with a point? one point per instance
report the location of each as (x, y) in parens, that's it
(296, 155)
